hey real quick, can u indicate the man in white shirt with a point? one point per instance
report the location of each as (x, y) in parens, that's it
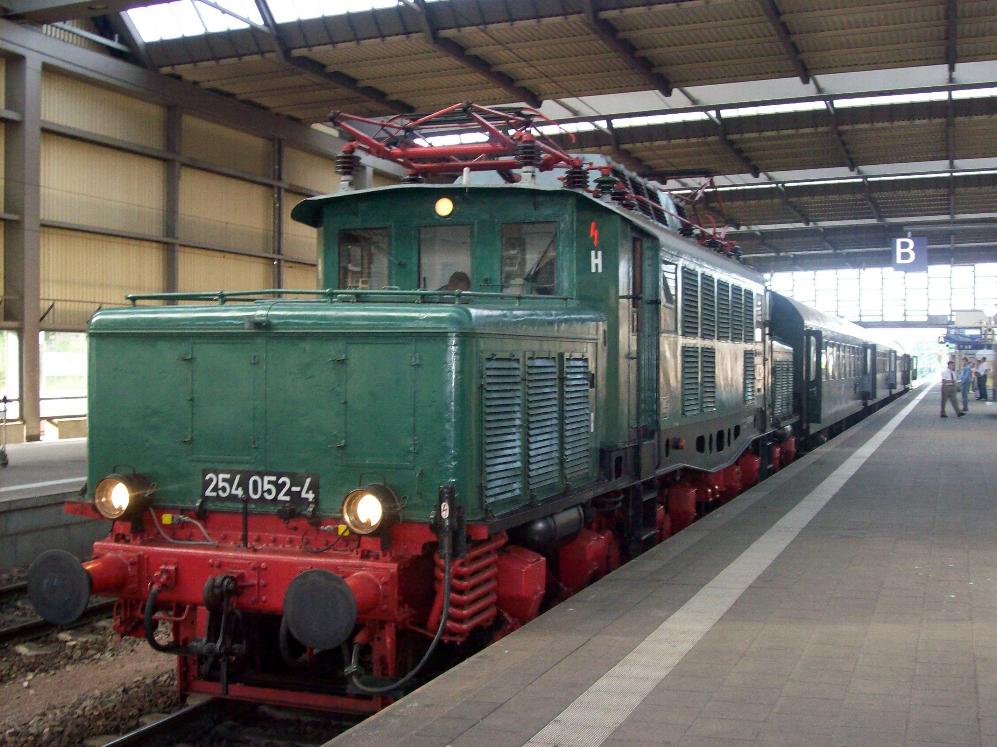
(948, 390)
(982, 369)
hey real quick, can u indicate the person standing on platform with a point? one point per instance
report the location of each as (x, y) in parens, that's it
(982, 370)
(965, 382)
(948, 389)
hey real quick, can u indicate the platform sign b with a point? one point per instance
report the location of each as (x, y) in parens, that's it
(910, 254)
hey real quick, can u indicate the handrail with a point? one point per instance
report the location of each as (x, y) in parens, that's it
(342, 294)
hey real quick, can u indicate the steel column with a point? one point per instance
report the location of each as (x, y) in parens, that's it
(278, 212)
(22, 238)
(171, 215)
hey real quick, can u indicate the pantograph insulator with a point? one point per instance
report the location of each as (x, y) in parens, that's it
(412, 179)
(576, 178)
(528, 153)
(347, 164)
(605, 184)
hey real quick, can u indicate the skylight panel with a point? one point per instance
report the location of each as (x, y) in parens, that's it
(653, 119)
(975, 93)
(191, 18)
(752, 111)
(285, 11)
(809, 182)
(896, 98)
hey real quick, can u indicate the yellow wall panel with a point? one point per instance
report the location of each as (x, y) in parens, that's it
(3, 82)
(223, 146)
(68, 101)
(3, 139)
(204, 270)
(102, 187)
(300, 276)
(226, 212)
(81, 271)
(2, 260)
(307, 170)
(383, 180)
(300, 241)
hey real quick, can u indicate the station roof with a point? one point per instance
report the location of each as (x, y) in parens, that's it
(832, 125)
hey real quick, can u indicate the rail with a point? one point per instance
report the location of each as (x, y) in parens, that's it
(36, 627)
(348, 295)
(190, 721)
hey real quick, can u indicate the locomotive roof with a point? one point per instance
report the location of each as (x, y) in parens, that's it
(309, 211)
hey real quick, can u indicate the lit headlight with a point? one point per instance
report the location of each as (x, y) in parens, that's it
(364, 509)
(117, 495)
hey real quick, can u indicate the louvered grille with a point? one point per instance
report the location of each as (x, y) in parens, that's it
(736, 314)
(690, 380)
(503, 416)
(723, 310)
(707, 307)
(782, 404)
(577, 418)
(749, 377)
(748, 316)
(708, 378)
(543, 434)
(690, 303)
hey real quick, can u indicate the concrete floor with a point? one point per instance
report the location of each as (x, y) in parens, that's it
(850, 599)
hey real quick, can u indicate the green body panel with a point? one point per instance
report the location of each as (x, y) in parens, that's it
(513, 398)
(358, 393)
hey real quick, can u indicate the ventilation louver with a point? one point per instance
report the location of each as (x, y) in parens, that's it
(707, 307)
(577, 418)
(690, 303)
(503, 423)
(708, 378)
(749, 377)
(543, 434)
(690, 380)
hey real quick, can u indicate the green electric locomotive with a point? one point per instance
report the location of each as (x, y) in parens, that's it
(503, 392)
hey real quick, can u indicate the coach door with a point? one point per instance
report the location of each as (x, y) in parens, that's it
(812, 374)
(644, 325)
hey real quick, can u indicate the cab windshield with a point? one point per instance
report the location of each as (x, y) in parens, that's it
(529, 258)
(363, 258)
(445, 258)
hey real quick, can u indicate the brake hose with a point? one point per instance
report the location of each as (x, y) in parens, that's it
(150, 625)
(446, 552)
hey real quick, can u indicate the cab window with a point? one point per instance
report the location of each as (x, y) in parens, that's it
(669, 275)
(529, 258)
(363, 258)
(445, 258)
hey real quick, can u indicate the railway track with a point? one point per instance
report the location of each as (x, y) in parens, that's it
(35, 627)
(217, 721)
(193, 721)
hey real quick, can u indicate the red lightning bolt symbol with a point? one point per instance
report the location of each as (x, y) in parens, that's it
(594, 234)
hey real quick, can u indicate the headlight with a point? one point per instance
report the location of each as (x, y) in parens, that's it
(364, 509)
(444, 207)
(117, 495)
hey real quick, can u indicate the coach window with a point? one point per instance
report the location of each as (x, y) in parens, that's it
(669, 280)
(529, 258)
(363, 258)
(445, 258)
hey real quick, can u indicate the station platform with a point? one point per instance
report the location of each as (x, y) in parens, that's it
(38, 468)
(849, 599)
(40, 478)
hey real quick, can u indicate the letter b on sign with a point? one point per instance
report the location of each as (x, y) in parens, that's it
(910, 254)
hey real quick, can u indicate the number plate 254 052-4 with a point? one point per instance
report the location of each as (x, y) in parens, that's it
(259, 486)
